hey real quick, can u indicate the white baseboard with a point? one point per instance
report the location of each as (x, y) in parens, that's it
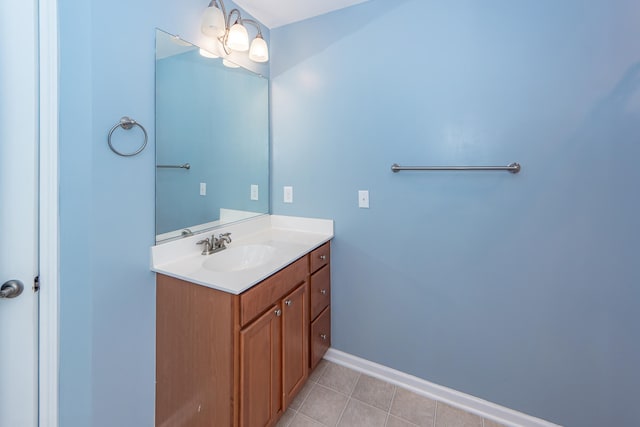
(463, 401)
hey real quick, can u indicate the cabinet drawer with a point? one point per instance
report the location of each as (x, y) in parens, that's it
(320, 337)
(320, 291)
(320, 257)
(257, 299)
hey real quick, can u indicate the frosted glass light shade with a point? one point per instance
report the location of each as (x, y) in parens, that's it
(259, 52)
(238, 38)
(213, 22)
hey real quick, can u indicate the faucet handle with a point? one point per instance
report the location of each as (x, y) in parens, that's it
(218, 242)
(207, 246)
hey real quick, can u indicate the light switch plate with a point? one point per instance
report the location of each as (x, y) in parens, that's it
(288, 194)
(203, 188)
(254, 192)
(363, 199)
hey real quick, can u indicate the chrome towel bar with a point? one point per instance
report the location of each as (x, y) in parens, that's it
(184, 166)
(513, 168)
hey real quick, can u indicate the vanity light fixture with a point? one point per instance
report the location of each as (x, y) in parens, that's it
(231, 32)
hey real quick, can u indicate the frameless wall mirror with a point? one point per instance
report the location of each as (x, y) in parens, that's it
(212, 141)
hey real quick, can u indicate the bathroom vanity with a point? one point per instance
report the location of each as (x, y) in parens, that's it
(235, 341)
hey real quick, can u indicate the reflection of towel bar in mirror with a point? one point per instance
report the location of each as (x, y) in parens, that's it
(185, 166)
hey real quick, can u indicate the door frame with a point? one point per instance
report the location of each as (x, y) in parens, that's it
(48, 327)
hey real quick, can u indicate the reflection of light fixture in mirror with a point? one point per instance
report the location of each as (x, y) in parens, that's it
(207, 54)
(229, 64)
(216, 23)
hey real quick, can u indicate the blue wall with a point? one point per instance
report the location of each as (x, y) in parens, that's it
(107, 306)
(202, 112)
(520, 289)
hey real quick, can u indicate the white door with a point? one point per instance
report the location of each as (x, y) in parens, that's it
(18, 212)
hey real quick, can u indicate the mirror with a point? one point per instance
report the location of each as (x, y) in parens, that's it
(212, 141)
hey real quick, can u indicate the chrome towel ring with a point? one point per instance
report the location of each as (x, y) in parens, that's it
(127, 123)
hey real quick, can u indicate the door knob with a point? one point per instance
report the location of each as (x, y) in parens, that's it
(11, 289)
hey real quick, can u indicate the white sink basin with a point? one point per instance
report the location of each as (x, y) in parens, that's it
(238, 258)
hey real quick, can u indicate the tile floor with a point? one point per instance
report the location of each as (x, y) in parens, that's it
(338, 396)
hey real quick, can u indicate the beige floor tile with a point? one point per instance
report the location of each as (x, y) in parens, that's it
(324, 405)
(303, 421)
(374, 392)
(413, 408)
(335, 395)
(339, 378)
(490, 423)
(318, 371)
(398, 422)
(297, 401)
(448, 416)
(358, 414)
(286, 419)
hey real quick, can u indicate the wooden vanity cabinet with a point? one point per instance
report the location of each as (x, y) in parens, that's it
(231, 360)
(320, 303)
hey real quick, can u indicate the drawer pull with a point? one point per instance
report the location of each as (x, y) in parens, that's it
(323, 337)
(323, 257)
(323, 291)
(288, 303)
(278, 312)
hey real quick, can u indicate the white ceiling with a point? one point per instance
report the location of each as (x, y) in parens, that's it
(276, 13)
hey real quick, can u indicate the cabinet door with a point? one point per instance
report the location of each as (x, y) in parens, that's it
(260, 370)
(295, 341)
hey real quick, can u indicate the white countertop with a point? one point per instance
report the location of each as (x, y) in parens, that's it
(292, 237)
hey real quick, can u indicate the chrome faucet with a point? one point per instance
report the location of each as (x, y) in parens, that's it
(215, 244)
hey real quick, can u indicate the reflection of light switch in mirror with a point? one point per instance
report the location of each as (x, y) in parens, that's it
(254, 192)
(203, 188)
(288, 194)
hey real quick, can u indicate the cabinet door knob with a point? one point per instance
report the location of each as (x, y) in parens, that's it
(323, 291)
(278, 312)
(288, 303)
(323, 257)
(323, 337)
